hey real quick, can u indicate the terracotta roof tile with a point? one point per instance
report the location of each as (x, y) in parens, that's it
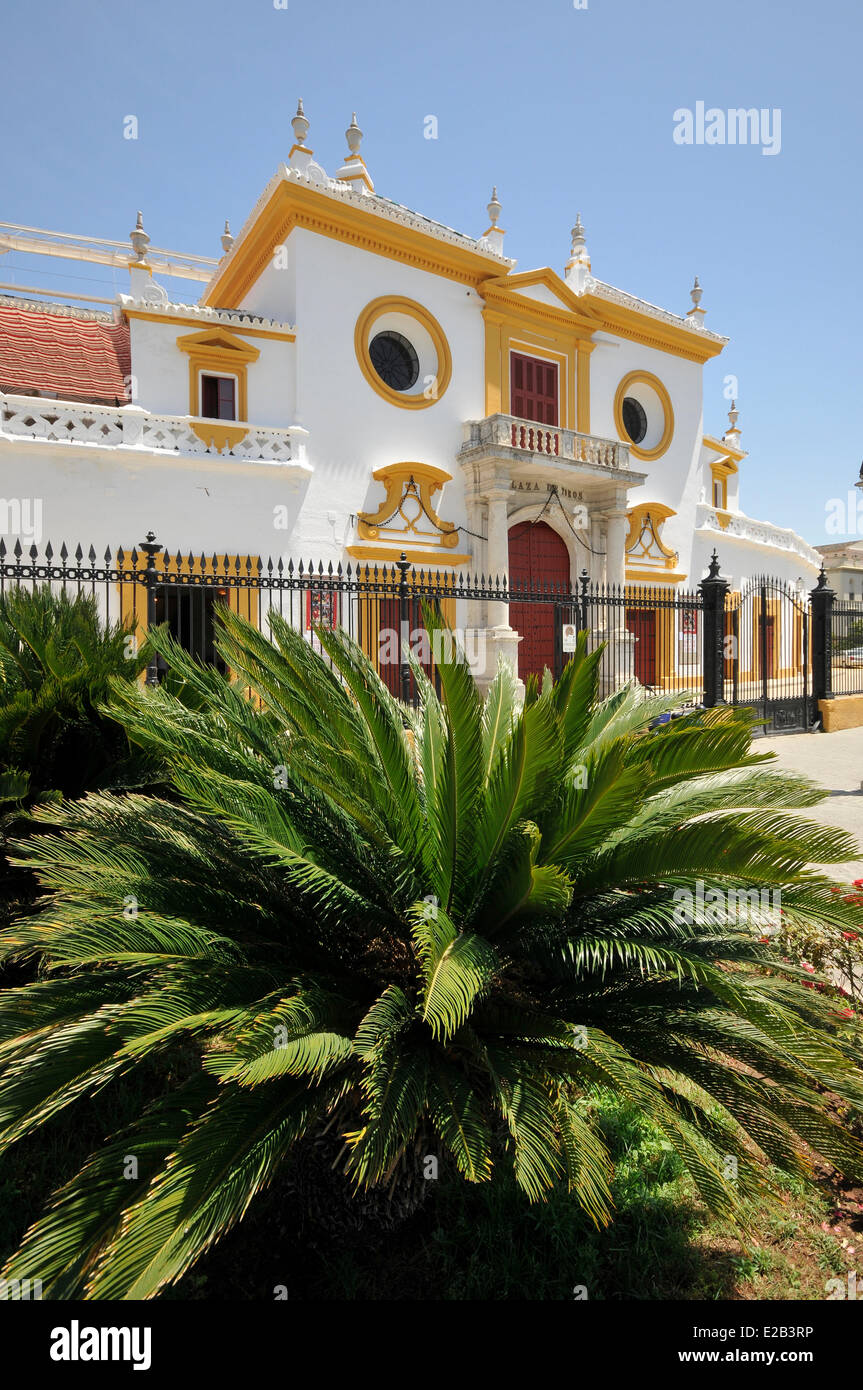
(76, 359)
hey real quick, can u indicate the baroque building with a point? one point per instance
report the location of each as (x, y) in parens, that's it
(356, 381)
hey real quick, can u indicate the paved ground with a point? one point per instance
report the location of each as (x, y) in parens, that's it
(836, 761)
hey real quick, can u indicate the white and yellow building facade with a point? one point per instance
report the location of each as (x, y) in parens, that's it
(357, 381)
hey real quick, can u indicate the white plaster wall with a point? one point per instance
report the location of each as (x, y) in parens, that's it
(353, 430)
(161, 372)
(114, 496)
(674, 479)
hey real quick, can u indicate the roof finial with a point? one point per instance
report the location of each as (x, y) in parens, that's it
(300, 124)
(354, 170)
(227, 239)
(732, 434)
(493, 236)
(577, 270)
(354, 135)
(139, 239)
(696, 313)
(300, 157)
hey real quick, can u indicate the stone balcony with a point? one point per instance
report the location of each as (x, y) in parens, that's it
(128, 427)
(529, 447)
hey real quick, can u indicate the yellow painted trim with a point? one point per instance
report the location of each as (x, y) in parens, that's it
(626, 322)
(583, 350)
(657, 578)
(570, 316)
(565, 374)
(656, 513)
(505, 333)
(292, 204)
(186, 321)
(217, 351)
(220, 433)
(647, 379)
(395, 304)
(720, 472)
(588, 313)
(493, 365)
(536, 315)
(416, 557)
(723, 448)
(397, 479)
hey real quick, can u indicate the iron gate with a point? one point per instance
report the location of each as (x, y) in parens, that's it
(766, 654)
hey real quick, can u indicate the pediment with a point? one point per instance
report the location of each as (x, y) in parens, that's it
(541, 290)
(217, 340)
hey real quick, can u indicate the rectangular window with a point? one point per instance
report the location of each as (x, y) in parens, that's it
(189, 612)
(218, 397)
(718, 493)
(533, 389)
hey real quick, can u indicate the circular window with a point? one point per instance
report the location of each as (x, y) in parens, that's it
(394, 359)
(634, 419)
(403, 352)
(643, 415)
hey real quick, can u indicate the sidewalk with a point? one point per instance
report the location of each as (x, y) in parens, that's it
(836, 761)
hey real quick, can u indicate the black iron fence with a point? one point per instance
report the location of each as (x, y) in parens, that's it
(768, 646)
(847, 648)
(767, 661)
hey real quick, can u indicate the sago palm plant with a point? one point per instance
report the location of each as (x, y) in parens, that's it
(57, 659)
(429, 933)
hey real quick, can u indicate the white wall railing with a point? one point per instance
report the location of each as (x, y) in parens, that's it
(741, 527)
(128, 426)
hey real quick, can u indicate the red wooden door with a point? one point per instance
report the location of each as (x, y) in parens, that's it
(537, 556)
(642, 624)
(533, 389)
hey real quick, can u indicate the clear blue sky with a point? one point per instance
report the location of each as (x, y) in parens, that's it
(565, 110)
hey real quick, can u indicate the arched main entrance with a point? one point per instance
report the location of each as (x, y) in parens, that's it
(538, 556)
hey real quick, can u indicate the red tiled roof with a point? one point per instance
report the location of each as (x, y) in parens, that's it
(78, 359)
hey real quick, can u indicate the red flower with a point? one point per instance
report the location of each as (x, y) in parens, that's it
(849, 935)
(858, 882)
(807, 966)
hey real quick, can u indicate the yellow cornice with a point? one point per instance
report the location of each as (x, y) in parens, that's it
(720, 447)
(187, 321)
(657, 577)
(424, 558)
(626, 322)
(722, 468)
(292, 204)
(501, 296)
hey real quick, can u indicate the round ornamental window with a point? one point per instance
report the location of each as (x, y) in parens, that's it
(643, 415)
(634, 419)
(394, 359)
